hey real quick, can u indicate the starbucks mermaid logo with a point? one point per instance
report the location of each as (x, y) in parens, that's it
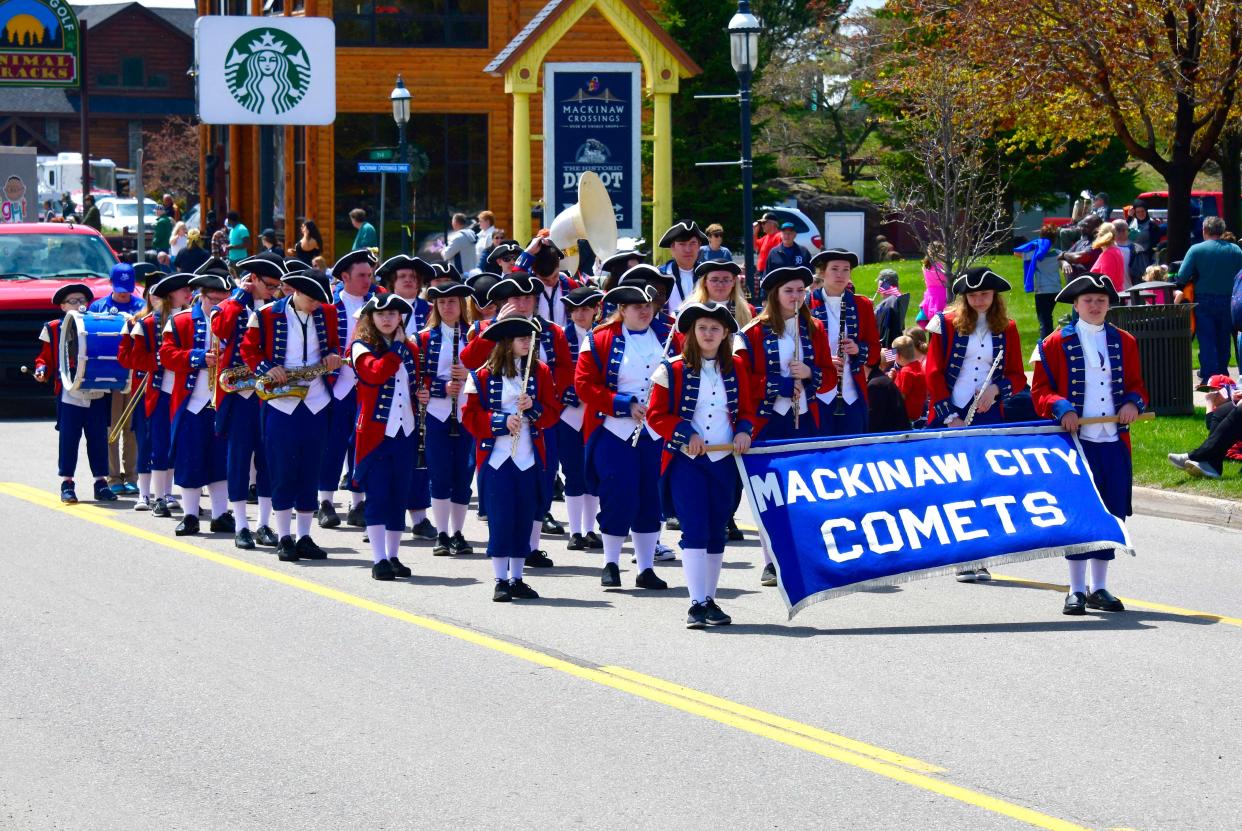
(267, 71)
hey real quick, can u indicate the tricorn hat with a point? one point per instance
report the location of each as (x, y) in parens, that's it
(691, 312)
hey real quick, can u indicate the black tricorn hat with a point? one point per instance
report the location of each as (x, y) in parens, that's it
(387, 270)
(683, 230)
(583, 296)
(214, 265)
(266, 264)
(778, 277)
(1088, 284)
(169, 284)
(449, 290)
(441, 271)
(708, 266)
(508, 248)
(829, 254)
(648, 275)
(979, 278)
(358, 255)
(514, 284)
(629, 293)
(210, 282)
(72, 288)
(514, 326)
(312, 282)
(691, 312)
(386, 301)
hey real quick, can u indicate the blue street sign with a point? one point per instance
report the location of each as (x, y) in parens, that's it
(383, 167)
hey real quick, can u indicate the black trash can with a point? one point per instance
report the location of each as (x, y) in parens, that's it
(1163, 335)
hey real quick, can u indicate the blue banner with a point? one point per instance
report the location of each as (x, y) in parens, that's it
(592, 119)
(866, 511)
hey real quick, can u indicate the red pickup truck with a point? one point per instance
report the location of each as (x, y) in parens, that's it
(36, 259)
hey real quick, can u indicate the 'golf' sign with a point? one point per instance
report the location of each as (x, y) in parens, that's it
(38, 44)
(265, 70)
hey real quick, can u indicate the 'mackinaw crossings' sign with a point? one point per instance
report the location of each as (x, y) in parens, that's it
(277, 71)
(38, 44)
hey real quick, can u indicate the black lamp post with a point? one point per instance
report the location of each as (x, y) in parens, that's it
(400, 98)
(744, 31)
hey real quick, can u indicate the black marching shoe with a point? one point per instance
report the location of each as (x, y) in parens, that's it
(327, 515)
(243, 539)
(551, 526)
(518, 590)
(967, 576)
(577, 542)
(252, 495)
(159, 508)
(502, 593)
(1075, 604)
(188, 526)
(264, 535)
(734, 533)
(383, 571)
(982, 575)
(538, 559)
(424, 530)
(443, 546)
(647, 579)
(356, 517)
(287, 550)
(672, 523)
(226, 523)
(696, 618)
(610, 578)
(307, 550)
(103, 493)
(68, 495)
(715, 614)
(459, 547)
(399, 568)
(768, 577)
(594, 543)
(1104, 601)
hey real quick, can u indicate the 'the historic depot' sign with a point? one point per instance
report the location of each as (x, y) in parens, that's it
(38, 44)
(254, 70)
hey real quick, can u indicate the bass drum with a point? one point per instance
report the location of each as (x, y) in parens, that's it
(89, 345)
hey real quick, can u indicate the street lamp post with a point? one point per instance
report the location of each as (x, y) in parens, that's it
(744, 31)
(400, 98)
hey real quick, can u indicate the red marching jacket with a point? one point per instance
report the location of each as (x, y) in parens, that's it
(946, 353)
(141, 353)
(484, 420)
(377, 370)
(860, 325)
(599, 362)
(49, 354)
(263, 346)
(671, 409)
(183, 352)
(762, 361)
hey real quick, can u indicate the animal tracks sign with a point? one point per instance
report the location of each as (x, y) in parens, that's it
(38, 44)
(254, 70)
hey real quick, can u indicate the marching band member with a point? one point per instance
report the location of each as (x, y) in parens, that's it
(354, 271)
(129, 358)
(509, 421)
(966, 341)
(683, 241)
(500, 260)
(698, 399)
(449, 448)
(189, 352)
(787, 361)
(77, 414)
(718, 281)
(543, 259)
(406, 277)
(613, 377)
(860, 345)
(583, 307)
(1088, 369)
(237, 418)
(612, 269)
(297, 332)
(386, 437)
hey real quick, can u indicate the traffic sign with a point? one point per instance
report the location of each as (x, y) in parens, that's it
(383, 167)
(381, 154)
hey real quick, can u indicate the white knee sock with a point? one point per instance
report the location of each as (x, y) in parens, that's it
(304, 523)
(355, 499)
(416, 516)
(160, 483)
(515, 567)
(612, 548)
(239, 515)
(219, 493)
(440, 514)
(1078, 575)
(694, 564)
(573, 504)
(393, 539)
(712, 580)
(590, 507)
(283, 520)
(500, 568)
(644, 548)
(536, 531)
(457, 516)
(191, 499)
(326, 496)
(1099, 574)
(767, 555)
(265, 510)
(144, 485)
(379, 543)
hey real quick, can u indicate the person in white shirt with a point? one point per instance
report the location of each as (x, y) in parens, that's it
(459, 249)
(582, 305)
(486, 234)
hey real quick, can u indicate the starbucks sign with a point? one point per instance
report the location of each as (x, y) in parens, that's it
(265, 70)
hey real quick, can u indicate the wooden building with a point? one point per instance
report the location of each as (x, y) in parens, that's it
(471, 67)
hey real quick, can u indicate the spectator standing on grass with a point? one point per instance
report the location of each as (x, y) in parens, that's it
(1145, 236)
(715, 251)
(1121, 238)
(1110, 262)
(1212, 266)
(366, 236)
(1042, 275)
(935, 285)
(1081, 256)
(767, 237)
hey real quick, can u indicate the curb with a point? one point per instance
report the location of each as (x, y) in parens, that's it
(1204, 510)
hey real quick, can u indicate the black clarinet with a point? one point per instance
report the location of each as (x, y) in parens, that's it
(838, 408)
(421, 464)
(454, 429)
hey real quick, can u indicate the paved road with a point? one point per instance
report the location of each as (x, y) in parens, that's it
(155, 683)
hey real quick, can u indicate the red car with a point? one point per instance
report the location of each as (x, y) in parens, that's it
(37, 258)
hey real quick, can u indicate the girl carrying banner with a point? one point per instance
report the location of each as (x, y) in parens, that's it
(1091, 368)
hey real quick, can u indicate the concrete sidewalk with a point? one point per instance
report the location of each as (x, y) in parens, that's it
(1188, 507)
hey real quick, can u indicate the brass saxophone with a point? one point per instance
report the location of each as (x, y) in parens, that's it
(295, 387)
(237, 379)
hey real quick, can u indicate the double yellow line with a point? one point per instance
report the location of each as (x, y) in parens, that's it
(857, 754)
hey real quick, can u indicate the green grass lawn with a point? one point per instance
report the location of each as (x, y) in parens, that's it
(1152, 440)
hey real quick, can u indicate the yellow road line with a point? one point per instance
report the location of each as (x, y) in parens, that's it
(1131, 603)
(860, 755)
